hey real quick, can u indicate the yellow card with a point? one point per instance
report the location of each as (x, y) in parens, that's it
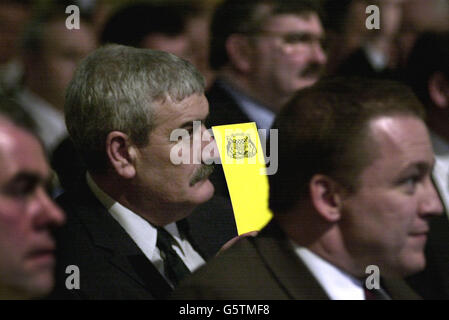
(244, 167)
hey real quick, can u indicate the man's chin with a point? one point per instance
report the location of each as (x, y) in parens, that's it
(306, 82)
(205, 190)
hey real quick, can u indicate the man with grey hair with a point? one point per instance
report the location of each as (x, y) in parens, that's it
(124, 238)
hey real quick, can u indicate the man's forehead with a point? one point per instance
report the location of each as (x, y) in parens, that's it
(194, 106)
(19, 148)
(394, 126)
(401, 133)
(307, 22)
(306, 17)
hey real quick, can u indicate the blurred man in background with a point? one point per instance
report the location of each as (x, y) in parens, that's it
(50, 53)
(27, 214)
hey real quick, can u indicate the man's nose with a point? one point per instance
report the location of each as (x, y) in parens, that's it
(318, 54)
(47, 213)
(431, 203)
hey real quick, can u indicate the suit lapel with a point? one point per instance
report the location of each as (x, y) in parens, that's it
(286, 267)
(119, 248)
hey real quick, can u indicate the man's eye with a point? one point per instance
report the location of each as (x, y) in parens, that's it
(293, 38)
(21, 189)
(410, 183)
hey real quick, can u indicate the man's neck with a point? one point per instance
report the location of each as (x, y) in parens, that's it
(123, 192)
(323, 239)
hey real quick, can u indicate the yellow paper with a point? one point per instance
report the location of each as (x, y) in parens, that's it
(244, 167)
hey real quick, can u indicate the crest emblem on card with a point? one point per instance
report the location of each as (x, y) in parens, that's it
(240, 146)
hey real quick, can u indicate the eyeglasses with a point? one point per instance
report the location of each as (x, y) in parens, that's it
(292, 39)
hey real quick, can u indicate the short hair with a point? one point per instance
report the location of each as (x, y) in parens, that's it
(130, 24)
(335, 14)
(117, 88)
(429, 55)
(323, 129)
(237, 16)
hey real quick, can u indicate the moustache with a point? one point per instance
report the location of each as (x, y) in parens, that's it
(314, 70)
(202, 173)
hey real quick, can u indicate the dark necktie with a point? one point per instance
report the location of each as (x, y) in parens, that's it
(174, 267)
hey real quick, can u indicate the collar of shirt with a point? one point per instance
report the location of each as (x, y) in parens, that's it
(337, 284)
(440, 147)
(441, 168)
(50, 122)
(376, 58)
(144, 234)
(255, 111)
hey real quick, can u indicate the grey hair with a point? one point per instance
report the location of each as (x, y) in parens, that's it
(118, 88)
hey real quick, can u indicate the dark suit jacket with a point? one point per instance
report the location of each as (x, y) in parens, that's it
(223, 109)
(358, 65)
(264, 268)
(211, 225)
(110, 263)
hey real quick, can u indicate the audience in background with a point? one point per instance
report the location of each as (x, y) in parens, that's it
(263, 52)
(383, 52)
(344, 22)
(178, 28)
(420, 16)
(50, 53)
(14, 14)
(375, 54)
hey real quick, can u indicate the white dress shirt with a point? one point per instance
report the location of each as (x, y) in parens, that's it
(145, 235)
(336, 283)
(377, 59)
(441, 168)
(50, 122)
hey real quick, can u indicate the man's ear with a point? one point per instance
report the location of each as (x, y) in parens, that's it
(121, 154)
(439, 90)
(239, 52)
(326, 195)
